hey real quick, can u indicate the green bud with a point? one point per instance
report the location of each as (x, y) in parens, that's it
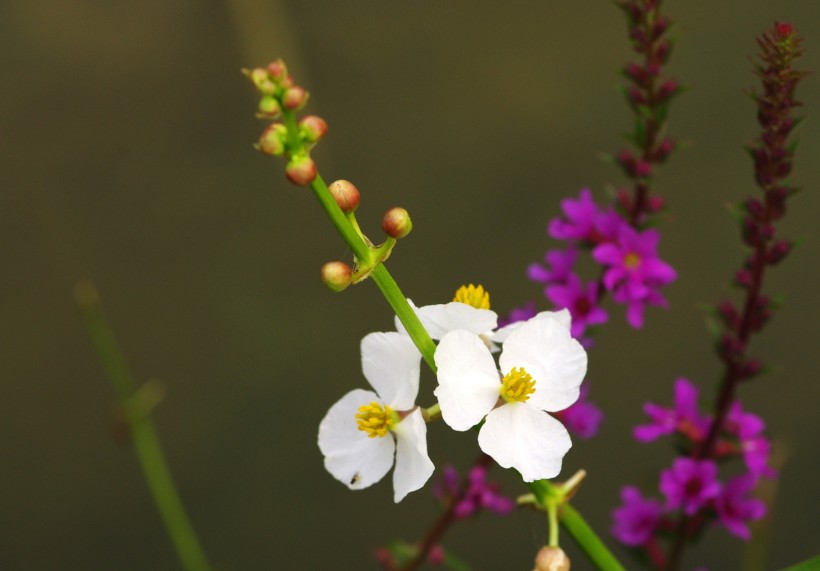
(268, 107)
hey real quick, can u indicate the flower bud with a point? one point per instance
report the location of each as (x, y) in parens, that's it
(268, 107)
(551, 559)
(396, 223)
(272, 140)
(336, 275)
(345, 194)
(783, 29)
(301, 170)
(278, 70)
(312, 128)
(778, 251)
(294, 98)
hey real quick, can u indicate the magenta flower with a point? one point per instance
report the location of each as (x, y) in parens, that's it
(735, 509)
(582, 418)
(479, 494)
(635, 521)
(634, 272)
(520, 313)
(684, 417)
(579, 218)
(582, 302)
(559, 264)
(755, 448)
(689, 484)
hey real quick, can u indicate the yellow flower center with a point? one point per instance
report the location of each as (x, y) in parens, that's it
(517, 386)
(374, 419)
(474, 296)
(632, 260)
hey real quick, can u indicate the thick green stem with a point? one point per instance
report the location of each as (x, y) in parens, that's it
(146, 444)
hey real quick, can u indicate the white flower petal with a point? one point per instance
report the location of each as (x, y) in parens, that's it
(390, 362)
(556, 361)
(440, 319)
(522, 437)
(563, 317)
(413, 465)
(351, 456)
(468, 380)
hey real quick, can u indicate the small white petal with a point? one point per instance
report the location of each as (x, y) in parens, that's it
(563, 317)
(556, 361)
(522, 437)
(440, 319)
(351, 456)
(468, 380)
(390, 362)
(413, 465)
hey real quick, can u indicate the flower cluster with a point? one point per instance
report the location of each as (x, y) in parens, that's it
(474, 495)
(541, 370)
(691, 484)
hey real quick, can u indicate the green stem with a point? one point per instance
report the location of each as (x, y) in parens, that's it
(574, 524)
(146, 443)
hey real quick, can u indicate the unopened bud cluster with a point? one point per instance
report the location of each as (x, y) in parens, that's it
(281, 97)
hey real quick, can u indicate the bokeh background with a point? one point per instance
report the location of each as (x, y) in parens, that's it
(125, 156)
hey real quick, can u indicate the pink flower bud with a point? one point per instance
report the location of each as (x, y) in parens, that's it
(294, 98)
(668, 89)
(336, 275)
(301, 170)
(643, 169)
(313, 128)
(396, 223)
(272, 140)
(551, 559)
(778, 252)
(655, 203)
(278, 70)
(783, 29)
(436, 555)
(345, 194)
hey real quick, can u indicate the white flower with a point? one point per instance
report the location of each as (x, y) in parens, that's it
(542, 367)
(360, 433)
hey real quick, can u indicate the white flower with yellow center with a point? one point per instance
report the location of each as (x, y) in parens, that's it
(362, 432)
(469, 310)
(542, 367)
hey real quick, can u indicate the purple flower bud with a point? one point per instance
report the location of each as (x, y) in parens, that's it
(778, 252)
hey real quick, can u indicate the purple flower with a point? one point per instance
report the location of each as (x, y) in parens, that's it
(735, 509)
(559, 264)
(636, 520)
(689, 484)
(520, 313)
(582, 302)
(582, 418)
(579, 218)
(754, 447)
(634, 272)
(684, 417)
(479, 493)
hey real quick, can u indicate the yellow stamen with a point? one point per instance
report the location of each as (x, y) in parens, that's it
(517, 386)
(374, 419)
(474, 296)
(632, 260)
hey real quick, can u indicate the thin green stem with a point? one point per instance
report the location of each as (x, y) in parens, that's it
(146, 443)
(552, 517)
(574, 524)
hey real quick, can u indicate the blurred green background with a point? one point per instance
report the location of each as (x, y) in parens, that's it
(126, 158)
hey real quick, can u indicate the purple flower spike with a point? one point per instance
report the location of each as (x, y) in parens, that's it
(580, 217)
(635, 521)
(634, 272)
(735, 509)
(582, 302)
(478, 495)
(684, 417)
(583, 418)
(689, 484)
(559, 264)
(754, 447)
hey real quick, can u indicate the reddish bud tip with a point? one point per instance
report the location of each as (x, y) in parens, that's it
(655, 203)
(313, 128)
(278, 70)
(336, 275)
(345, 194)
(436, 555)
(396, 223)
(294, 98)
(301, 171)
(783, 29)
(272, 140)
